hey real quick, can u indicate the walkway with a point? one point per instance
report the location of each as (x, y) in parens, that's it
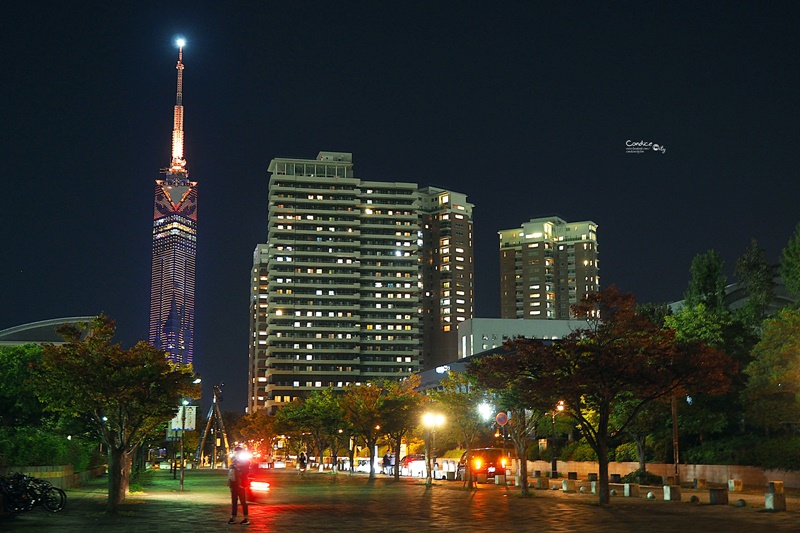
(344, 503)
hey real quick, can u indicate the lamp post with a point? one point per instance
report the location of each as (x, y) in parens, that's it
(431, 421)
(183, 430)
(553, 459)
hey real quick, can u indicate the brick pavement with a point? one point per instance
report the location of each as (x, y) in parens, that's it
(327, 502)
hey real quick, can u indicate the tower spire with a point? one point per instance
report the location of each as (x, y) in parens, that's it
(177, 166)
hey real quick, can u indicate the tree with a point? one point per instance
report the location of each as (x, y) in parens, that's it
(323, 419)
(19, 405)
(774, 387)
(755, 276)
(400, 409)
(515, 380)
(362, 410)
(459, 397)
(623, 356)
(790, 263)
(707, 283)
(124, 394)
(259, 429)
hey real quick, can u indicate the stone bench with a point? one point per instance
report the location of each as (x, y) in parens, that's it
(672, 493)
(735, 485)
(775, 499)
(718, 496)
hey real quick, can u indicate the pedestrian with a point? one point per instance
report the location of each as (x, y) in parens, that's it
(301, 461)
(386, 467)
(238, 481)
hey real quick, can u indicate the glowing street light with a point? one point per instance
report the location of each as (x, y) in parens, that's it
(431, 421)
(553, 459)
(486, 411)
(183, 430)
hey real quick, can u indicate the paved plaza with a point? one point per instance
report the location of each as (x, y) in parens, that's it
(341, 502)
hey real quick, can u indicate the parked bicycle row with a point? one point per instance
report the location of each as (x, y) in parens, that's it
(21, 493)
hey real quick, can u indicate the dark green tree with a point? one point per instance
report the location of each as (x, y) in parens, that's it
(790, 263)
(773, 391)
(125, 395)
(19, 405)
(755, 276)
(708, 281)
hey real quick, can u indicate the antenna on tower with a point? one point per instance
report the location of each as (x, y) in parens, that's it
(177, 166)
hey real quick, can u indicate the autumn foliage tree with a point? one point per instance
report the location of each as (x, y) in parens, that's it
(125, 395)
(515, 379)
(623, 357)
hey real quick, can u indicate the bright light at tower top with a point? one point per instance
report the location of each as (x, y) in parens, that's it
(181, 42)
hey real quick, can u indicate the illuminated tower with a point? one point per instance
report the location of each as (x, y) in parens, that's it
(174, 248)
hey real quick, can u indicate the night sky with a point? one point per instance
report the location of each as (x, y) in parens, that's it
(525, 107)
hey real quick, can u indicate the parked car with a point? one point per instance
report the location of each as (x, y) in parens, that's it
(488, 461)
(412, 465)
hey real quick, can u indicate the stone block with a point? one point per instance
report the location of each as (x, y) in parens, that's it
(775, 501)
(568, 485)
(499, 479)
(481, 478)
(631, 490)
(594, 486)
(718, 496)
(735, 485)
(672, 493)
(541, 483)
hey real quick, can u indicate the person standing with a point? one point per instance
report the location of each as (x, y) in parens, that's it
(238, 481)
(301, 461)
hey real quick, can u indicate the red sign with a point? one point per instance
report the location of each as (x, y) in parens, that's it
(501, 419)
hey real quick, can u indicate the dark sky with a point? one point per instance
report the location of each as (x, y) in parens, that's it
(526, 107)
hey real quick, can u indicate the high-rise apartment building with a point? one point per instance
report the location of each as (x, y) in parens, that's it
(174, 248)
(448, 270)
(547, 265)
(336, 290)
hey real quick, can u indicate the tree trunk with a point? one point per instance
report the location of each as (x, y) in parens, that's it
(522, 458)
(371, 459)
(602, 475)
(640, 449)
(398, 444)
(119, 470)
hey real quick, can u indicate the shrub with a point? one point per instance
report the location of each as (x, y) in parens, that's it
(626, 452)
(781, 453)
(642, 477)
(583, 452)
(725, 451)
(38, 447)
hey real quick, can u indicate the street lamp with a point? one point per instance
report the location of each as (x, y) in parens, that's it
(183, 430)
(431, 421)
(553, 459)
